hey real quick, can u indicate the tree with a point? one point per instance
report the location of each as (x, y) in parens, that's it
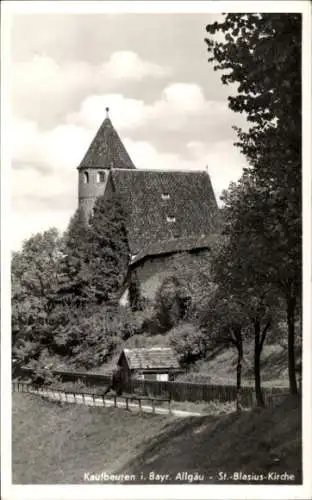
(74, 275)
(242, 265)
(261, 54)
(136, 300)
(108, 249)
(172, 304)
(34, 277)
(225, 322)
(87, 337)
(95, 263)
(93, 269)
(189, 342)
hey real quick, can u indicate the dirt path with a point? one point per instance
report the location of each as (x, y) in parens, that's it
(87, 400)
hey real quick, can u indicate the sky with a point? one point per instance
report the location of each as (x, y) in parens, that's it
(166, 102)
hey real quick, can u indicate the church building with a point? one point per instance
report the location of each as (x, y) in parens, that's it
(168, 211)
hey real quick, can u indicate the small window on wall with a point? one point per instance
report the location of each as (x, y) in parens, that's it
(85, 177)
(100, 177)
(171, 218)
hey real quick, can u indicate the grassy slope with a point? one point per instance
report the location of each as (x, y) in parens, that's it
(220, 367)
(257, 441)
(57, 444)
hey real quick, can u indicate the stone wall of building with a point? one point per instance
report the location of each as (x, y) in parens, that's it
(151, 273)
(154, 270)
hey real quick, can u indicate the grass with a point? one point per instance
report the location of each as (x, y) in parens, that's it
(220, 367)
(257, 441)
(210, 408)
(58, 443)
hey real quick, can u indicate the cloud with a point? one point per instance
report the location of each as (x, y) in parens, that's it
(179, 105)
(45, 88)
(224, 165)
(187, 97)
(129, 66)
(224, 162)
(60, 148)
(127, 113)
(23, 226)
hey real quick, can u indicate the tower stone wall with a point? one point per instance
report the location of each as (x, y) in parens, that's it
(91, 184)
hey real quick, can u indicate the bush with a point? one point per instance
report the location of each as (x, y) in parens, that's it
(132, 323)
(189, 342)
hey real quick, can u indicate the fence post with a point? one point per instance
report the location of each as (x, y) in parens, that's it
(115, 401)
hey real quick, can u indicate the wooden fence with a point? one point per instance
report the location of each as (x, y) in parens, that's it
(71, 396)
(177, 391)
(188, 391)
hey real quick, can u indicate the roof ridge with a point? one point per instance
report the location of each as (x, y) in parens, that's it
(156, 348)
(173, 170)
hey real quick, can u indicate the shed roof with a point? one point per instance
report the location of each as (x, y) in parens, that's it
(148, 358)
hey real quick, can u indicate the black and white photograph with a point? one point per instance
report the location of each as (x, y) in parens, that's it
(156, 248)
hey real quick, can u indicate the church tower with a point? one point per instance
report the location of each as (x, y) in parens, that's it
(105, 152)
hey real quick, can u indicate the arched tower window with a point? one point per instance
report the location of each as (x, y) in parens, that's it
(85, 177)
(100, 177)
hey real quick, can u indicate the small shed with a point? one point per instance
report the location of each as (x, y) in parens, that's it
(153, 363)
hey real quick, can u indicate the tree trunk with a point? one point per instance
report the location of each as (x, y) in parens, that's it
(239, 373)
(291, 305)
(257, 352)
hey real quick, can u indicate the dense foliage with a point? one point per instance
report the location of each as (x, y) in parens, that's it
(34, 278)
(65, 290)
(261, 54)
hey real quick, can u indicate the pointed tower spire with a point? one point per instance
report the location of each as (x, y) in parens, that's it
(106, 150)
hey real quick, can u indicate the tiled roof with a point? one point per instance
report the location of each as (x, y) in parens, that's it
(147, 358)
(174, 245)
(167, 211)
(106, 150)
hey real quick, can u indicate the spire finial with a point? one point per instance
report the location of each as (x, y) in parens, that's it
(107, 112)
